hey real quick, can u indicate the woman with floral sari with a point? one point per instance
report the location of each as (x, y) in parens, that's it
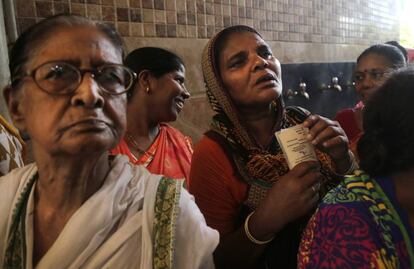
(368, 220)
(239, 176)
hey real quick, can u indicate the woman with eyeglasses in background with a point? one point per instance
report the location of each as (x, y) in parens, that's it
(76, 206)
(373, 65)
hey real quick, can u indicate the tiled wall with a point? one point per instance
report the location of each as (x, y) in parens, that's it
(317, 21)
(297, 30)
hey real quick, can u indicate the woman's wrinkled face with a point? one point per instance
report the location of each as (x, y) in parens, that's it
(169, 93)
(249, 71)
(370, 74)
(85, 121)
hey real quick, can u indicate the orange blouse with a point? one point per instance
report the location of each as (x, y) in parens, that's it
(214, 182)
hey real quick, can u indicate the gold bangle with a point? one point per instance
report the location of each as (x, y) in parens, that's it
(250, 236)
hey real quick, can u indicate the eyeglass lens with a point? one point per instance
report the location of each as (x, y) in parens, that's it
(63, 78)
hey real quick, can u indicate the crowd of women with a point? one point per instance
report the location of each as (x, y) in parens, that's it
(113, 185)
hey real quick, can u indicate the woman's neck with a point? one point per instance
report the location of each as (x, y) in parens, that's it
(139, 139)
(260, 125)
(142, 128)
(66, 183)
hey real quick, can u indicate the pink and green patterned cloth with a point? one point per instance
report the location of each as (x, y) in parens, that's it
(359, 224)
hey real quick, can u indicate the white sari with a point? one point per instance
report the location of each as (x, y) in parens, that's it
(135, 220)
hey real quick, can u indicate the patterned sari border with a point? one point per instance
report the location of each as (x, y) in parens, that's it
(15, 255)
(166, 211)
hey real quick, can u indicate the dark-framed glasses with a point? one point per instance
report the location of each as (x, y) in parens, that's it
(59, 78)
(375, 75)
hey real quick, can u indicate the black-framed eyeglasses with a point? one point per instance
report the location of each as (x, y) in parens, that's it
(375, 75)
(60, 78)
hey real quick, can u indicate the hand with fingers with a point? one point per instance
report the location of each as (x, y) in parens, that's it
(328, 136)
(294, 195)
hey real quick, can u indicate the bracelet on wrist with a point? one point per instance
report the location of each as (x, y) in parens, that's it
(250, 236)
(354, 165)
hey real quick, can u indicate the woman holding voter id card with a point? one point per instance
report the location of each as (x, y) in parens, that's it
(240, 177)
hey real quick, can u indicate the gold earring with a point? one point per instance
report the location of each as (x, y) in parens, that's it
(147, 89)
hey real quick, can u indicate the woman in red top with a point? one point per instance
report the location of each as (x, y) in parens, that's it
(372, 66)
(239, 177)
(157, 97)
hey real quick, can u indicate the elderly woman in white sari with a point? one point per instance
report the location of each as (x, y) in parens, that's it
(76, 207)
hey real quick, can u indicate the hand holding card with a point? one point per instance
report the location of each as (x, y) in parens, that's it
(295, 146)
